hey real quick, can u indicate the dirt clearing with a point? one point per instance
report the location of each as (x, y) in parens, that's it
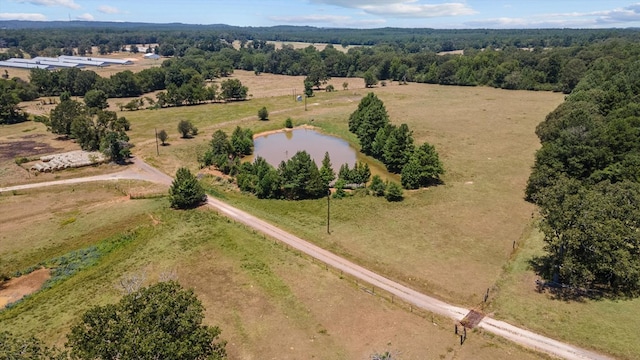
(15, 289)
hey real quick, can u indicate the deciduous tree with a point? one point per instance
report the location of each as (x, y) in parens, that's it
(592, 236)
(96, 99)
(186, 128)
(63, 115)
(163, 136)
(162, 321)
(232, 89)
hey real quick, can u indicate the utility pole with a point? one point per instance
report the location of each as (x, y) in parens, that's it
(328, 208)
(157, 147)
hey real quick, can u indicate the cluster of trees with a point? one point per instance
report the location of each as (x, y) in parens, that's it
(183, 82)
(393, 145)
(225, 153)
(92, 127)
(162, 321)
(11, 93)
(586, 180)
(296, 178)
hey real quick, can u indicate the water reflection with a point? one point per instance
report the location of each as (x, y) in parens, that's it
(280, 146)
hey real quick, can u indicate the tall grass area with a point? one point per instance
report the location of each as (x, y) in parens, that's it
(41, 224)
(602, 325)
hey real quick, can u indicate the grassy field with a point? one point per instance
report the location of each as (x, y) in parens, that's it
(269, 301)
(452, 241)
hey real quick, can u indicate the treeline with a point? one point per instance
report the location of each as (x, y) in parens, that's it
(35, 37)
(186, 81)
(200, 58)
(514, 59)
(586, 179)
(193, 71)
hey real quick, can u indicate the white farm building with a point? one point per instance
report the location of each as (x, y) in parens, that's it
(152, 56)
(19, 65)
(106, 61)
(51, 63)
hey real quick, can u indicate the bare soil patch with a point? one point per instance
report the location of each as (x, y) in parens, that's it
(26, 148)
(15, 289)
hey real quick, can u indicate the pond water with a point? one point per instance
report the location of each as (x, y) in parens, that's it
(280, 146)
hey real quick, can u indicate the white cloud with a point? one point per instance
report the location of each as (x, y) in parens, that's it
(333, 20)
(85, 17)
(66, 3)
(23, 16)
(413, 10)
(623, 17)
(108, 9)
(403, 8)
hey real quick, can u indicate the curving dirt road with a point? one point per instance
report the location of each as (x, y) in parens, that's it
(143, 171)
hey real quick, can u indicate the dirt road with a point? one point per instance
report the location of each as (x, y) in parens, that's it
(142, 171)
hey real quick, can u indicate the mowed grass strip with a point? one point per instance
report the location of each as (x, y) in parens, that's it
(269, 301)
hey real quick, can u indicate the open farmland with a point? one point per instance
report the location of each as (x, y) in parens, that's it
(269, 301)
(451, 241)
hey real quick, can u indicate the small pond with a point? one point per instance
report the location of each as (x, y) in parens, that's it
(279, 146)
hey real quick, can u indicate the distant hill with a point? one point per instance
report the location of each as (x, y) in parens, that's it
(440, 39)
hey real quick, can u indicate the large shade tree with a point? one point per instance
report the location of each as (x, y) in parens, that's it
(592, 235)
(162, 321)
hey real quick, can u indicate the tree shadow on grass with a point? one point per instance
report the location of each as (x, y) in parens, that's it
(542, 266)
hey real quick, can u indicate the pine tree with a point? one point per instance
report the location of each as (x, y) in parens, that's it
(185, 191)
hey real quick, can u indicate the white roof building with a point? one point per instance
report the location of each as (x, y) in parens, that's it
(72, 61)
(51, 62)
(152, 56)
(104, 60)
(23, 65)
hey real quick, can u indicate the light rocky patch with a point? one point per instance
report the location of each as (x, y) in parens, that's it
(71, 159)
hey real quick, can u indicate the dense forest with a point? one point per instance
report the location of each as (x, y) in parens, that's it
(586, 177)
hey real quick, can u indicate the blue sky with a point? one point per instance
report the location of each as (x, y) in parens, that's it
(340, 13)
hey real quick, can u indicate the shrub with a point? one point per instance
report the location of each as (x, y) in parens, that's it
(21, 160)
(394, 192)
(288, 123)
(263, 114)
